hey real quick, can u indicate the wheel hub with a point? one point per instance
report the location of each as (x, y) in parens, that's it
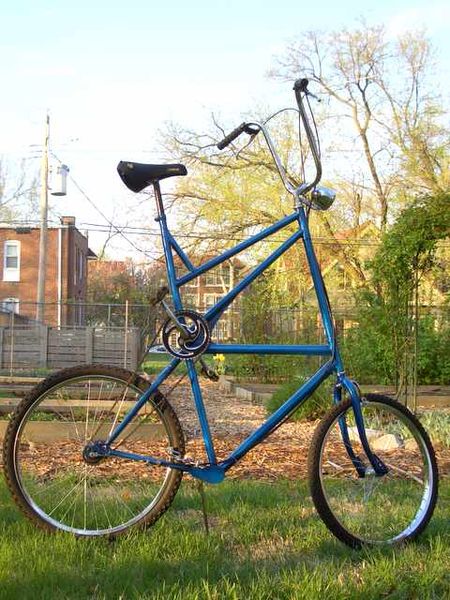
(94, 452)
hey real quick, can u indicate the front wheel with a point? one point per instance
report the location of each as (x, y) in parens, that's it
(56, 481)
(370, 510)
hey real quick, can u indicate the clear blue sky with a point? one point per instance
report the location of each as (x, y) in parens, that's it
(111, 73)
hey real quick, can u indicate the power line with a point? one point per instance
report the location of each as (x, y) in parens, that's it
(110, 223)
(126, 230)
(135, 230)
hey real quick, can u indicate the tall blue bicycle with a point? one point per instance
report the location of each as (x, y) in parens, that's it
(94, 450)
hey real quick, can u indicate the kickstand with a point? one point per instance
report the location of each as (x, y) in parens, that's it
(201, 491)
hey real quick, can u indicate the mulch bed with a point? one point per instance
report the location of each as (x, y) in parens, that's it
(283, 455)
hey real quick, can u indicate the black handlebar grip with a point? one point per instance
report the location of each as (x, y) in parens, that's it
(301, 85)
(232, 136)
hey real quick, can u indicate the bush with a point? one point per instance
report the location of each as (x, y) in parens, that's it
(369, 355)
(433, 357)
(263, 369)
(313, 408)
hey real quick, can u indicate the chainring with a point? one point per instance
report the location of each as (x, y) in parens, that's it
(198, 332)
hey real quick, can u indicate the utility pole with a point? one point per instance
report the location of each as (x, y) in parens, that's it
(40, 308)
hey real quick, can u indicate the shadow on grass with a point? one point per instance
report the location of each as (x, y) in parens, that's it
(263, 538)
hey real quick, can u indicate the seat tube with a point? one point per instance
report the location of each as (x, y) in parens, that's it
(165, 236)
(201, 412)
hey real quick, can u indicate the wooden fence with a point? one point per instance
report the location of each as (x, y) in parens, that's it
(40, 346)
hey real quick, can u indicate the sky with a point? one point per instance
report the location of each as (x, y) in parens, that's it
(113, 74)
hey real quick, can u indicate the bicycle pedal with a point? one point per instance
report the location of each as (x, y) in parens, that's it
(179, 458)
(210, 374)
(159, 296)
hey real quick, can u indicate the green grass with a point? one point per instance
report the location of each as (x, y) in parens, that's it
(266, 542)
(154, 363)
(437, 424)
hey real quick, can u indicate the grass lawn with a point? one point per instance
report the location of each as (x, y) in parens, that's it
(266, 542)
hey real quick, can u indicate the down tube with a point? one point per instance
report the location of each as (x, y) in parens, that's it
(300, 396)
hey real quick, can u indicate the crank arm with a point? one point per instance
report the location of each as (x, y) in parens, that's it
(181, 328)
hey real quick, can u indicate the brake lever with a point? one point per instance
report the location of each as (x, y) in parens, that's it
(308, 93)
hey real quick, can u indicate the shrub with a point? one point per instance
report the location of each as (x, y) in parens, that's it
(369, 357)
(313, 408)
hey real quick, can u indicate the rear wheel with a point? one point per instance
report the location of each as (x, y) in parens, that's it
(373, 509)
(50, 472)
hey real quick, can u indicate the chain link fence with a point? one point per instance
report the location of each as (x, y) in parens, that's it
(119, 334)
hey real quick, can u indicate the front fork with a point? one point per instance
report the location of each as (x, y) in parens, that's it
(343, 382)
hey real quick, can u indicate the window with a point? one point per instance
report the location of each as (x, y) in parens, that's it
(220, 332)
(180, 271)
(11, 305)
(210, 299)
(190, 300)
(79, 266)
(219, 276)
(192, 284)
(78, 272)
(11, 261)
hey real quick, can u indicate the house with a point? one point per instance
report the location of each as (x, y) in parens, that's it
(65, 276)
(341, 278)
(205, 290)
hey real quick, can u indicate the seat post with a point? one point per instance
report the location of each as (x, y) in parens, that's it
(158, 197)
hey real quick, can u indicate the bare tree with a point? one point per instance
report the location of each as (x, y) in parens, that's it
(239, 189)
(378, 88)
(386, 140)
(18, 193)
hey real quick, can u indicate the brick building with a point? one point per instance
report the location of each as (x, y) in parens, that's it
(65, 277)
(200, 294)
(207, 289)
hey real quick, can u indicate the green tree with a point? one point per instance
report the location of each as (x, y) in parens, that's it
(112, 284)
(232, 193)
(389, 323)
(388, 140)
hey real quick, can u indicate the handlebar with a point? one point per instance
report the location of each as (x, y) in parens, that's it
(301, 87)
(301, 90)
(243, 127)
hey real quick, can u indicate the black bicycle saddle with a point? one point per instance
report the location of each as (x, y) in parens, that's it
(137, 176)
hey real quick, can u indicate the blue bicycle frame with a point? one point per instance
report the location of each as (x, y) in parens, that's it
(321, 198)
(214, 471)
